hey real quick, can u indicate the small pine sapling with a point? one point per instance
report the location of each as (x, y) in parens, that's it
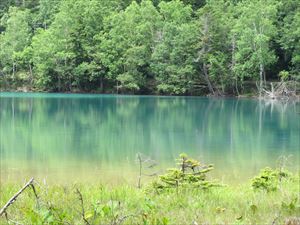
(190, 173)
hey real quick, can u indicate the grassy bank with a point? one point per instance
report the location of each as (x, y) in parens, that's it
(102, 204)
(124, 204)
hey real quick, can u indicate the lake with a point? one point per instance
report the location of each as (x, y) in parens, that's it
(88, 138)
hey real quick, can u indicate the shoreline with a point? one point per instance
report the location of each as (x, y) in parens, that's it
(254, 96)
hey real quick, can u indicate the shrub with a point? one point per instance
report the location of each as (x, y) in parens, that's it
(268, 179)
(191, 173)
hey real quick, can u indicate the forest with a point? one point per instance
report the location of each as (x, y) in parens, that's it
(114, 128)
(188, 47)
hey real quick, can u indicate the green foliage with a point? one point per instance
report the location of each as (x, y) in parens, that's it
(47, 11)
(175, 50)
(234, 204)
(289, 36)
(268, 179)
(65, 56)
(178, 47)
(13, 41)
(254, 30)
(126, 44)
(191, 174)
(216, 46)
(54, 50)
(284, 75)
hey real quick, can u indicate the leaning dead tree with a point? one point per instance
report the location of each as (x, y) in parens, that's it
(279, 91)
(14, 198)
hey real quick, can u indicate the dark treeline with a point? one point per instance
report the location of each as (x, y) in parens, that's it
(167, 47)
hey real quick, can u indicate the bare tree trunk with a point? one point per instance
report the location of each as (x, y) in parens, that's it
(261, 66)
(261, 72)
(14, 70)
(204, 51)
(210, 87)
(233, 62)
(31, 75)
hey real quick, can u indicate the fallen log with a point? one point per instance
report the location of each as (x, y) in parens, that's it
(14, 198)
(281, 91)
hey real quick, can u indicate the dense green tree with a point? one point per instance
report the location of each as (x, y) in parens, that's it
(294, 42)
(71, 60)
(14, 40)
(126, 45)
(54, 50)
(148, 46)
(289, 35)
(46, 12)
(254, 30)
(90, 72)
(6, 4)
(173, 57)
(214, 56)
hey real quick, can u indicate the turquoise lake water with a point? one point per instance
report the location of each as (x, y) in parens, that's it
(80, 137)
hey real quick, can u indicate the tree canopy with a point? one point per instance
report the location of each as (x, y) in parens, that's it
(171, 47)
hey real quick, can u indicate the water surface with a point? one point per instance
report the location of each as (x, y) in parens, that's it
(76, 137)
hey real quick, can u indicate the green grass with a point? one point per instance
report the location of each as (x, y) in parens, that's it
(128, 205)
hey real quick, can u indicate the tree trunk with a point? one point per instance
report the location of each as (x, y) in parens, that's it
(233, 46)
(31, 76)
(210, 87)
(265, 79)
(14, 68)
(261, 72)
(101, 84)
(205, 50)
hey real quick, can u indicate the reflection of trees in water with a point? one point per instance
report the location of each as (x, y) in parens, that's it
(111, 129)
(279, 105)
